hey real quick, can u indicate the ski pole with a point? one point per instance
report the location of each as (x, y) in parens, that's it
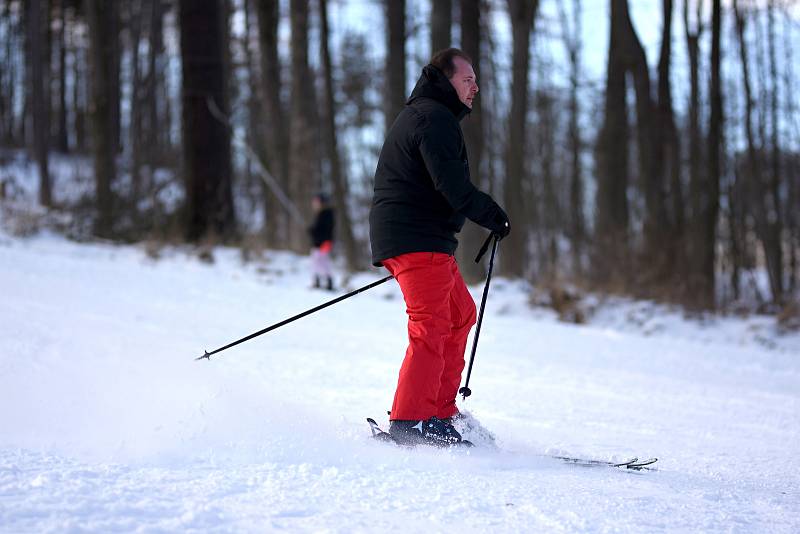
(465, 391)
(207, 355)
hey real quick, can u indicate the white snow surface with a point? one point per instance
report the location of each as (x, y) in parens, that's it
(107, 423)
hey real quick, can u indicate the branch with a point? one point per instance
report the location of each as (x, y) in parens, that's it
(265, 175)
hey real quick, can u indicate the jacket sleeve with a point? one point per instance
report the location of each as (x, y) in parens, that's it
(440, 142)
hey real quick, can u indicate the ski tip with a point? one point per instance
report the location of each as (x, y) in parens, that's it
(638, 466)
(373, 426)
(378, 433)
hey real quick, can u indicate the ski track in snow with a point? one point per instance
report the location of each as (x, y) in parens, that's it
(108, 423)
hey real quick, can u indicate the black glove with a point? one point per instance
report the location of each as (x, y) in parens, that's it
(500, 225)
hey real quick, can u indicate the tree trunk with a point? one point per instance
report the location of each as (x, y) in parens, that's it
(256, 188)
(344, 226)
(156, 138)
(395, 60)
(441, 22)
(515, 250)
(115, 28)
(275, 131)
(7, 77)
(668, 157)
(79, 78)
(697, 284)
(302, 146)
(5, 104)
(765, 227)
(79, 95)
(101, 115)
(16, 120)
(572, 43)
(711, 197)
(610, 255)
(651, 177)
(472, 235)
(793, 170)
(36, 24)
(206, 138)
(135, 14)
(5, 73)
(62, 135)
(546, 204)
(774, 187)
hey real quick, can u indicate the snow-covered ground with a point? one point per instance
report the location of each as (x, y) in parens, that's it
(107, 423)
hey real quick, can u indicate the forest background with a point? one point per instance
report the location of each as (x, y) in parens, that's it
(648, 148)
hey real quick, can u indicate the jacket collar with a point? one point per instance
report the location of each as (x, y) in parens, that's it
(434, 84)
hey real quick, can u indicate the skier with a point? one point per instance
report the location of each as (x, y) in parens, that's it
(321, 232)
(422, 195)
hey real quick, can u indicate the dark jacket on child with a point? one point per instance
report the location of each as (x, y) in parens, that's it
(322, 228)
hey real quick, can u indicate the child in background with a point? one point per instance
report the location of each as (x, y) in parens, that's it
(321, 232)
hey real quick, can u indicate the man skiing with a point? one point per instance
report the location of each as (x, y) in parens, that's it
(422, 195)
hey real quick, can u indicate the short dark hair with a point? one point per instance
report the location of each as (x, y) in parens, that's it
(443, 60)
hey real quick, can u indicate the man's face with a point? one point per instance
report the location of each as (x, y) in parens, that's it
(464, 81)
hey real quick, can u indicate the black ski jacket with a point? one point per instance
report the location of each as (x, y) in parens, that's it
(423, 190)
(322, 228)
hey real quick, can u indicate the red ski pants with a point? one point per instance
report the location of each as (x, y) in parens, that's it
(440, 314)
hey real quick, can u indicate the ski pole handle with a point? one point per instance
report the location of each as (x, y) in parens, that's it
(484, 247)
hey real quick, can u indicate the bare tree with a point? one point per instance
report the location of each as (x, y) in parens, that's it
(395, 91)
(667, 155)
(657, 152)
(276, 133)
(99, 15)
(766, 220)
(255, 130)
(38, 80)
(515, 253)
(774, 183)
(344, 226)
(611, 247)
(135, 16)
(543, 201)
(472, 235)
(651, 178)
(793, 166)
(155, 96)
(573, 45)
(206, 138)
(6, 75)
(697, 283)
(80, 87)
(114, 29)
(710, 206)
(302, 141)
(61, 135)
(441, 21)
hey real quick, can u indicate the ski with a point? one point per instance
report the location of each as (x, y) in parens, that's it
(583, 461)
(643, 464)
(632, 463)
(378, 433)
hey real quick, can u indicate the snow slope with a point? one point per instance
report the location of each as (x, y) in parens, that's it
(108, 424)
